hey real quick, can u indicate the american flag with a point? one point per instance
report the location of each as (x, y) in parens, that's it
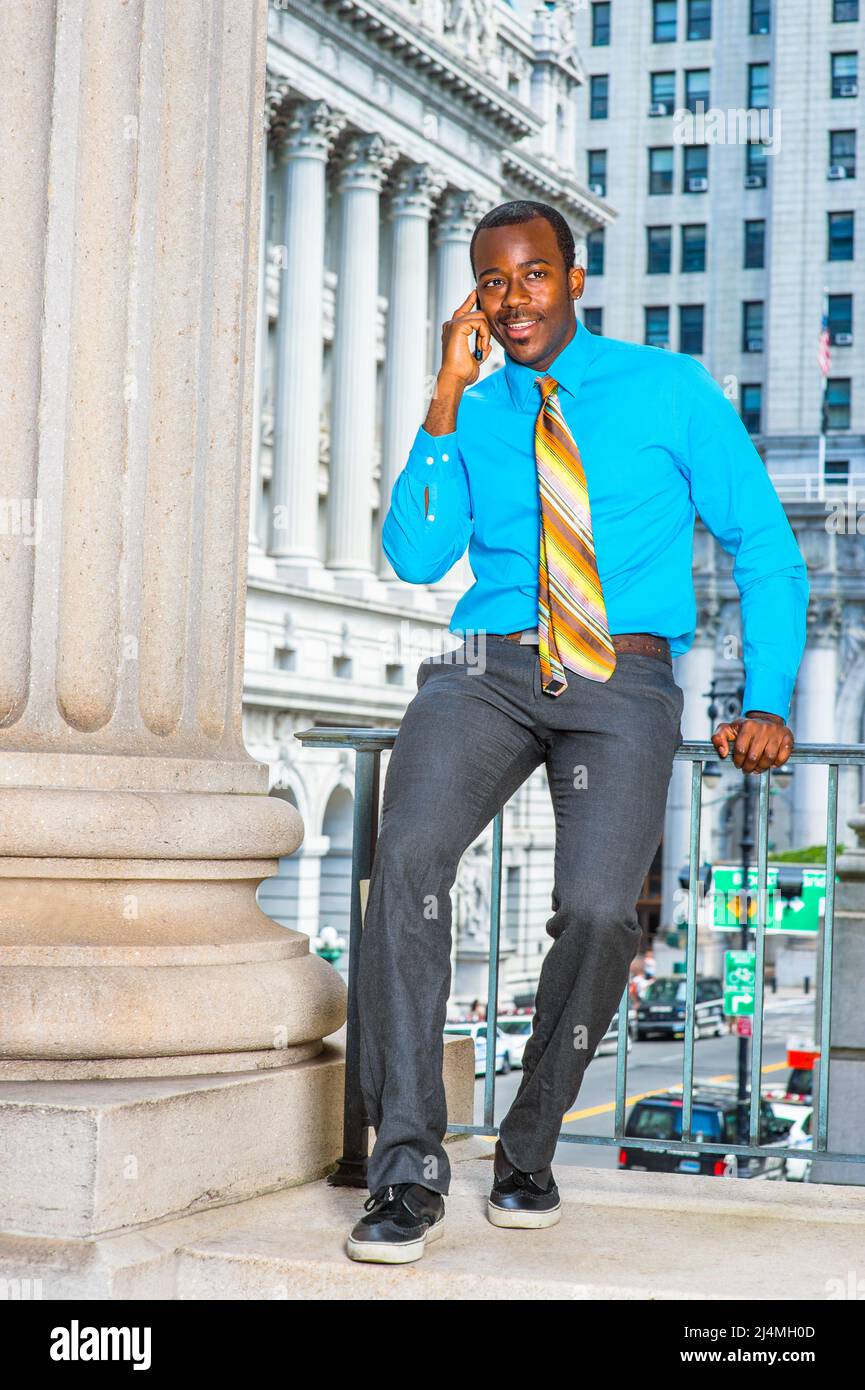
(824, 354)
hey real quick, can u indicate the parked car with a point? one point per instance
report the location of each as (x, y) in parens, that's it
(661, 1011)
(798, 1090)
(478, 1032)
(800, 1137)
(517, 1029)
(713, 1120)
(610, 1041)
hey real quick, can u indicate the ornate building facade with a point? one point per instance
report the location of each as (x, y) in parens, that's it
(393, 125)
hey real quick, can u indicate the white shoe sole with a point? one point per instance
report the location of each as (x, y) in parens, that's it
(375, 1252)
(523, 1220)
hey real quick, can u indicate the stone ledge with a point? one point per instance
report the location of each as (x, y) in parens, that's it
(623, 1235)
(91, 1158)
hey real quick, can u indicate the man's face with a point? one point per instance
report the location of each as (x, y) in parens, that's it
(525, 291)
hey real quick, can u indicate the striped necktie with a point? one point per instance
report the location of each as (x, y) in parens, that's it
(572, 619)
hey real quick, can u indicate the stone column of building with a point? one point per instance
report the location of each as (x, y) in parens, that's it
(304, 139)
(815, 719)
(364, 165)
(416, 188)
(256, 550)
(457, 216)
(693, 672)
(134, 826)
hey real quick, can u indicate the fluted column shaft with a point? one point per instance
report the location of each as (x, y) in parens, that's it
(134, 826)
(816, 703)
(364, 167)
(458, 215)
(416, 188)
(301, 163)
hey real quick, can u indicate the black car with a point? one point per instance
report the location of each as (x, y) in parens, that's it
(661, 1011)
(713, 1121)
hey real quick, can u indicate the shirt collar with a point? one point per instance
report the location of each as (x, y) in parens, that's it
(568, 369)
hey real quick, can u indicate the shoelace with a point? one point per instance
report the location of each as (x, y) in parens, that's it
(383, 1196)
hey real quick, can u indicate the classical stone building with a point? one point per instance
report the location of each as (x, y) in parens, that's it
(392, 126)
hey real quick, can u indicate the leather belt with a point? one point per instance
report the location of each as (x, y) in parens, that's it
(646, 643)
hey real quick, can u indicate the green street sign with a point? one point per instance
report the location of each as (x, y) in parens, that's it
(799, 915)
(740, 971)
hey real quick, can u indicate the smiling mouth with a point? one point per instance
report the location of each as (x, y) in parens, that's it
(520, 328)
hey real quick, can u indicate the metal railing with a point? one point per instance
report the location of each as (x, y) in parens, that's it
(369, 745)
(818, 487)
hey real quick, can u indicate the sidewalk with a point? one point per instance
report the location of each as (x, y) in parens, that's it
(622, 1236)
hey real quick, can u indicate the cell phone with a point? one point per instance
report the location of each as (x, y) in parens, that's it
(479, 352)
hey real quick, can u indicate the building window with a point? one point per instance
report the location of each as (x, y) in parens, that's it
(600, 98)
(664, 21)
(659, 242)
(662, 93)
(841, 236)
(758, 86)
(752, 326)
(841, 320)
(691, 329)
(600, 25)
(699, 19)
(598, 172)
(752, 407)
(837, 471)
(661, 169)
(693, 247)
(761, 17)
(595, 252)
(658, 327)
(755, 164)
(845, 74)
(755, 244)
(842, 154)
(697, 88)
(594, 320)
(838, 403)
(695, 176)
(845, 11)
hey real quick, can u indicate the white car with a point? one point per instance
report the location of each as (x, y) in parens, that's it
(517, 1029)
(800, 1137)
(478, 1032)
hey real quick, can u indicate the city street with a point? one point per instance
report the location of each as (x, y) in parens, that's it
(654, 1065)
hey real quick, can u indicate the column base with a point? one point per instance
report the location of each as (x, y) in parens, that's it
(306, 574)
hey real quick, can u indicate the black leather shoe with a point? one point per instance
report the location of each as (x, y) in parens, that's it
(401, 1220)
(527, 1200)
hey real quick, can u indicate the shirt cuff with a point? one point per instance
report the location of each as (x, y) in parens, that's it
(767, 689)
(433, 457)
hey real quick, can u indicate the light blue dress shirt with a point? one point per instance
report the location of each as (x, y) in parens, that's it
(660, 443)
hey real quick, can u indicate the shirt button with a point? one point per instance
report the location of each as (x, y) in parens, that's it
(445, 458)
(430, 460)
(431, 516)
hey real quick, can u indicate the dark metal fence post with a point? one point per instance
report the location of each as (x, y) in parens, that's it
(351, 1167)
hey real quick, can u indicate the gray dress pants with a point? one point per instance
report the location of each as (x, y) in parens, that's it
(476, 729)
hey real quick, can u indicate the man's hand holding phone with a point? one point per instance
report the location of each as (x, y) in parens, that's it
(464, 335)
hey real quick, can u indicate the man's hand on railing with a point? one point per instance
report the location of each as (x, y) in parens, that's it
(759, 740)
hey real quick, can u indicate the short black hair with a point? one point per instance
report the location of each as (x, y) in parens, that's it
(524, 210)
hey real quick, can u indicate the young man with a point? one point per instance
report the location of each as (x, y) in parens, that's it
(574, 475)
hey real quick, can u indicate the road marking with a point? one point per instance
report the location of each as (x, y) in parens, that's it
(643, 1095)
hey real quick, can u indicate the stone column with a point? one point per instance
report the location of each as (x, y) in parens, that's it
(304, 142)
(365, 162)
(458, 215)
(256, 550)
(814, 722)
(693, 672)
(417, 187)
(134, 826)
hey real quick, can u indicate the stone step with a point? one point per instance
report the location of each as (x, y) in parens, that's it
(622, 1235)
